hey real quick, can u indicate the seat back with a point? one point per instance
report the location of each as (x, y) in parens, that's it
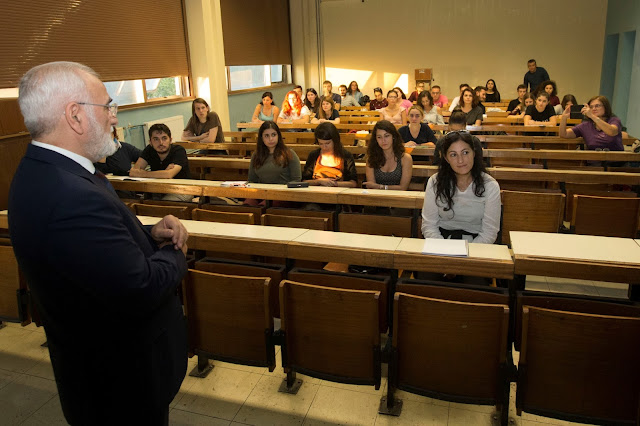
(224, 217)
(317, 223)
(275, 273)
(229, 317)
(12, 285)
(257, 211)
(580, 367)
(449, 349)
(570, 303)
(458, 292)
(374, 224)
(531, 211)
(331, 333)
(612, 217)
(595, 189)
(329, 215)
(348, 281)
(161, 211)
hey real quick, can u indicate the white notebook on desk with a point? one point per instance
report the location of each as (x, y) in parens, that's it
(440, 247)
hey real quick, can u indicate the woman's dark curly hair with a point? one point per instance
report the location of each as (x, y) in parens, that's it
(446, 180)
(281, 154)
(375, 155)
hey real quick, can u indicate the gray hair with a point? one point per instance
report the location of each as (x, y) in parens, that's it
(46, 89)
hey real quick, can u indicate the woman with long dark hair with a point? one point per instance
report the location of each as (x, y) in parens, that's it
(312, 101)
(327, 112)
(354, 91)
(432, 113)
(331, 164)
(469, 105)
(273, 161)
(204, 124)
(492, 91)
(388, 166)
(265, 110)
(461, 201)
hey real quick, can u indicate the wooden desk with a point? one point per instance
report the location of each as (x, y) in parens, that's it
(235, 238)
(381, 197)
(485, 260)
(584, 257)
(343, 247)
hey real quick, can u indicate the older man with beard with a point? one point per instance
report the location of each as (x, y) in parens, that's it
(104, 284)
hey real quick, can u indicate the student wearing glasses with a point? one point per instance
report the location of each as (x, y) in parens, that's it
(394, 112)
(601, 130)
(378, 101)
(461, 201)
(439, 99)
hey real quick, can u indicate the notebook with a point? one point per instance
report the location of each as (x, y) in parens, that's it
(440, 247)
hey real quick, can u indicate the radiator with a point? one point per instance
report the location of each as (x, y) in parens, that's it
(175, 124)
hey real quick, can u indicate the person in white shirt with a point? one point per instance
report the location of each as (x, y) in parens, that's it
(461, 201)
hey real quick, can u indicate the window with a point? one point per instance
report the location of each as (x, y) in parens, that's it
(131, 92)
(247, 77)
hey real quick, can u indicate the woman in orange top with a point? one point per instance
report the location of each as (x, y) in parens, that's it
(331, 165)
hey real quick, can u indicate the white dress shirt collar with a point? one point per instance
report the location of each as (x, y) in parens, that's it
(84, 162)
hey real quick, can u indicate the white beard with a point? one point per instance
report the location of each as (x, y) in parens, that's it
(100, 141)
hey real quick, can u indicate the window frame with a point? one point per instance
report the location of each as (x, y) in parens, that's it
(287, 74)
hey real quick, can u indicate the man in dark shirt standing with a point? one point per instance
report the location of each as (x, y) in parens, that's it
(167, 161)
(535, 75)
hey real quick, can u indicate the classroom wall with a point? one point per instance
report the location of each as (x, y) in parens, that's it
(465, 41)
(623, 21)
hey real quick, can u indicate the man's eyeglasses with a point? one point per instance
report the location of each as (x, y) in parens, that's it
(112, 107)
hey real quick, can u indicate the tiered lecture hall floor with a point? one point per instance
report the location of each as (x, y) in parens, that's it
(236, 395)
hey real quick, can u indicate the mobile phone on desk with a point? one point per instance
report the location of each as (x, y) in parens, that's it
(298, 185)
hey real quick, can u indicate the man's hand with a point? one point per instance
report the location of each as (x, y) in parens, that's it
(170, 231)
(135, 172)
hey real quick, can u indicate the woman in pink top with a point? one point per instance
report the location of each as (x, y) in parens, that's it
(404, 102)
(394, 112)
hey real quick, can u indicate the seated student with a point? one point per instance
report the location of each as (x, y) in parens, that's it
(327, 112)
(273, 161)
(413, 97)
(527, 101)
(378, 102)
(569, 100)
(204, 124)
(167, 161)
(522, 89)
(265, 110)
(388, 166)
(354, 91)
(600, 130)
(550, 87)
(312, 101)
(119, 163)
(431, 112)
(461, 201)
(457, 123)
(331, 164)
(417, 133)
(493, 95)
(293, 111)
(469, 105)
(541, 113)
(404, 102)
(481, 94)
(327, 87)
(393, 112)
(456, 100)
(439, 99)
(345, 99)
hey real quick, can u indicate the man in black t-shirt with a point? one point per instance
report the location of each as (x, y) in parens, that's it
(481, 94)
(166, 161)
(522, 90)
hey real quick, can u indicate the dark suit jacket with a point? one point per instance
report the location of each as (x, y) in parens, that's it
(105, 292)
